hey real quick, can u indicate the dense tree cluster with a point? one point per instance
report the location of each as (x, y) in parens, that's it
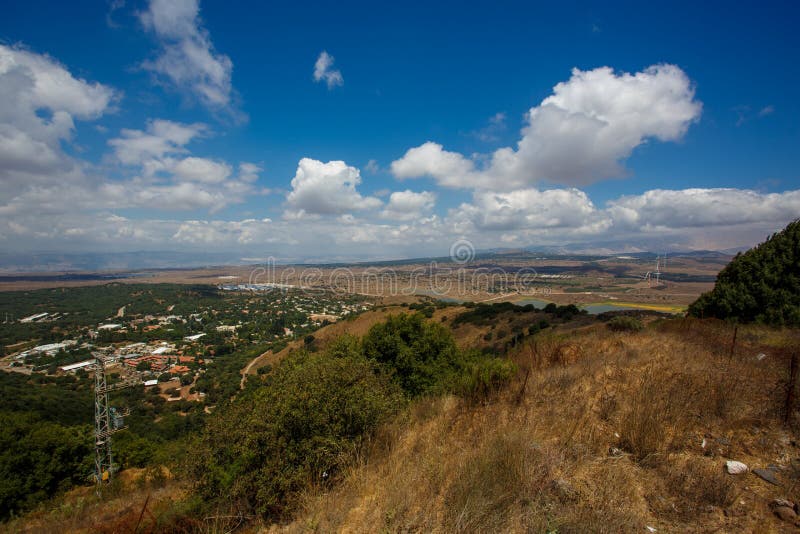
(45, 438)
(761, 285)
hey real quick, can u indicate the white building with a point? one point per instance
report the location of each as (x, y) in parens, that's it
(75, 366)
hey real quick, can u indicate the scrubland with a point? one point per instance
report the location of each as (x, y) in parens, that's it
(598, 431)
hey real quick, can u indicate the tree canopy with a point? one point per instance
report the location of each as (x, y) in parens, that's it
(761, 285)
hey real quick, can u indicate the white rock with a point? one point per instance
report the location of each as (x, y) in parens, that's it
(735, 468)
(760, 356)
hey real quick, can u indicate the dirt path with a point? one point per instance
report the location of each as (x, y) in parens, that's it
(357, 326)
(249, 366)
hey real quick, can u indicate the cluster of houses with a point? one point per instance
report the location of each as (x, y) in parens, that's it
(148, 360)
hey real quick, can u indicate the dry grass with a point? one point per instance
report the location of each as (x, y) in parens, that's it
(147, 498)
(604, 435)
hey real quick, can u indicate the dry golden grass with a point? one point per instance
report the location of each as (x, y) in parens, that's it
(148, 498)
(602, 432)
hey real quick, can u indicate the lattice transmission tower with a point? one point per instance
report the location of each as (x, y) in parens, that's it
(107, 421)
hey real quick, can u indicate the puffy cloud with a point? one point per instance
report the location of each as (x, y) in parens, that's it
(653, 220)
(578, 135)
(326, 189)
(161, 138)
(449, 169)
(187, 58)
(201, 170)
(408, 205)
(693, 208)
(242, 232)
(531, 209)
(693, 217)
(33, 82)
(324, 71)
(39, 102)
(170, 196)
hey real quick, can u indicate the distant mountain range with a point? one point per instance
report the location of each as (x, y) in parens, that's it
(64, 262)
(115, 261)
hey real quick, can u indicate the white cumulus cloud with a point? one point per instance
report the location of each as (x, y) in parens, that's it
(326, 189)
(408, 205)
(201, 170)
(529, 208)
(693, 208)
(580, 134)
(39, 103)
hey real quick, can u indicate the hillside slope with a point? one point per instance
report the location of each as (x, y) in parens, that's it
(600, 431)
(609, 432)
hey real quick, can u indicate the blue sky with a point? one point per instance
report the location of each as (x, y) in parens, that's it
(679, 128)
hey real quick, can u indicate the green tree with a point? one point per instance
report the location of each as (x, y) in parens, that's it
(761, 285)
(39, 459)
(422, 355)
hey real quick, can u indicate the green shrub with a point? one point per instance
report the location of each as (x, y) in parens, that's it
(299, 430)
(422, 356)
(623, 323)
(483, 378)
(482, 314)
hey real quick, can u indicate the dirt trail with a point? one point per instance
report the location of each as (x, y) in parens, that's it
(249, 366)
(357, 326)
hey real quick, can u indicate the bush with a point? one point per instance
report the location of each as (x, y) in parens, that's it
(422, 356)
(484, 377)
(299, 430)
(623, 323)
(482, 314)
